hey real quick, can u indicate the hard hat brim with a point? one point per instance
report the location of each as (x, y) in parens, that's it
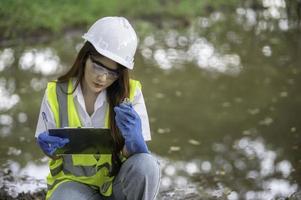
(109, 55)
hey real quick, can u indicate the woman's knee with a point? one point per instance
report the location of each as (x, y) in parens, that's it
(74, 190)
(138, 178)
(144, 164)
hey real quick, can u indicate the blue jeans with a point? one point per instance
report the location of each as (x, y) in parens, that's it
(138, 179)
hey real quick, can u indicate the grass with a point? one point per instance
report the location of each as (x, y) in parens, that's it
(22, 18)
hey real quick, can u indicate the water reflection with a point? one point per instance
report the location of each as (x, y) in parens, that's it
(6, 120)
(178, 48)
(182, 49)
(6, 58)
(234, 168)
(38, 84)
(263, 20)
(43, 61)
(247, 17)
(247, 161)
(8, 98)
(22, 117)
(275, 9)
(267, 51)
(6, 123)
(30, 178)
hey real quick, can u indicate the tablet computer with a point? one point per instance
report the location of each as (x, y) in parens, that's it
(84, 140)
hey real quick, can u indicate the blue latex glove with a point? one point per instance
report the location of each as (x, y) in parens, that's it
(129, 123)
(49, 144)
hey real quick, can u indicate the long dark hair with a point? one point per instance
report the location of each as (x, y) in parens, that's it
(115, 94)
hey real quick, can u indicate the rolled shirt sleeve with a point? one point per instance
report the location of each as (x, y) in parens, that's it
(140, 108)
(50, 123)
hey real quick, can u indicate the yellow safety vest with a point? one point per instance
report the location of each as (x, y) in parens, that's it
(89, 169)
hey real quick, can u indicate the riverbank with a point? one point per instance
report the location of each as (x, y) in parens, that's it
(27, 188)
(40, 195)
(22, 19)
(40, 22)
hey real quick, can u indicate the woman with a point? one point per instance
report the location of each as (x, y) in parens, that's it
(91, 94)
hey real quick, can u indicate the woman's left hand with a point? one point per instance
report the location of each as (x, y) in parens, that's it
(129, 124)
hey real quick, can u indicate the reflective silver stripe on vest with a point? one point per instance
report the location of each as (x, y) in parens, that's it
(69, 168)
(105, 186)
(106, 165)
(56, 170)
(50, 187)
(61, 90)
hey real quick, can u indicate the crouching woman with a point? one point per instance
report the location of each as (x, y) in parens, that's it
(92, 94)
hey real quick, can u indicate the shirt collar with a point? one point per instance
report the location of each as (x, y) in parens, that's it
(78, 94)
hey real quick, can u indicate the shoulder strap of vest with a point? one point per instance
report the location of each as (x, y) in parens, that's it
(61, 90)
(53, 103)
(58, 102)
(133, 86)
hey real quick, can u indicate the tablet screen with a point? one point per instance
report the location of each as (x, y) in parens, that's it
(84, 140)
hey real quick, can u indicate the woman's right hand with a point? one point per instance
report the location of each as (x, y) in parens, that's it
(49, 144)
(129, 124)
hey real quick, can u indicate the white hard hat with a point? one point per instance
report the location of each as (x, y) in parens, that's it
(115, 38)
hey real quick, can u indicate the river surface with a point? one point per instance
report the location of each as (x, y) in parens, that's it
(222, 96)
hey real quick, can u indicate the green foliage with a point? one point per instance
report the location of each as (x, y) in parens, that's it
(25, 17)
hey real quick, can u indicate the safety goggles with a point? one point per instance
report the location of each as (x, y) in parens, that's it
(100, 69)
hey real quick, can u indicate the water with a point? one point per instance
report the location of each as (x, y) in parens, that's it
(222, 96)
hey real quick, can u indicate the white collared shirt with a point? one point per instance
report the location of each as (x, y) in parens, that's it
(97, 119)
